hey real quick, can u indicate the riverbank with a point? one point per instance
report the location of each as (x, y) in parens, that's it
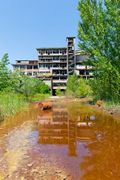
(109, 107)
(112, 108)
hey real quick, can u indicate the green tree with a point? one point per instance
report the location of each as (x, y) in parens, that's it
(4, 72)
(78, 87)
(83, 89)
(42, 87)
(99, 35)
(27, 85)
(59, 92)
(71, 85)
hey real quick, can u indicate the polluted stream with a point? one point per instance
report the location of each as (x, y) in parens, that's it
(72, 141)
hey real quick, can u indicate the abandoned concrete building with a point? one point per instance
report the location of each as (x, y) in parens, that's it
(54, 65)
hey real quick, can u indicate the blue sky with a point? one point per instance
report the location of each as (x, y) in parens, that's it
(29, 24)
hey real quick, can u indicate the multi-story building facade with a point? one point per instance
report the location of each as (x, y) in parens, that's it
(54, 65)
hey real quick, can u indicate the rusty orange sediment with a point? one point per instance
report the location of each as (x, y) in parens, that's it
(62, 142)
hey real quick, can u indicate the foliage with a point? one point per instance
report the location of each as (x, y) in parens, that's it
(59, 92)
(78, 87)
(115, 107)
(83, 89)
(16, 88)
(99, 35)
(42, 87)
(11, 103)
(30, 86)
(39, 97)
(19, 83)
(106, 84)
(4, 72)
(71, 85)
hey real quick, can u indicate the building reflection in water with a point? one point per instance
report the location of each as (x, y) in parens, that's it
(57, 127)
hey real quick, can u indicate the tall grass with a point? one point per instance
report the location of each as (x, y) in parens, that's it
(112, 105)
(10, 104)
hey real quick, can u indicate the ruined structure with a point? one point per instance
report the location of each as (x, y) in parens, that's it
(54, 65)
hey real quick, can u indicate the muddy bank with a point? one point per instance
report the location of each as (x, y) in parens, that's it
(114, 111)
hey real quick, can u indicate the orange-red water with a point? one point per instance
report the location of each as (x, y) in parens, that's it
(70, 142)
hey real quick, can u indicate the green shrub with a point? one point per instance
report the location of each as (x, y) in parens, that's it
(28, 86)
(71, 85)
(78, 87)
(59, 92)
(39, 97)
(83, 89)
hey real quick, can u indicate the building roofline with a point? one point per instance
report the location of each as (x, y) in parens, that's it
(69, 37)
(50, 48)
(26, 60)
